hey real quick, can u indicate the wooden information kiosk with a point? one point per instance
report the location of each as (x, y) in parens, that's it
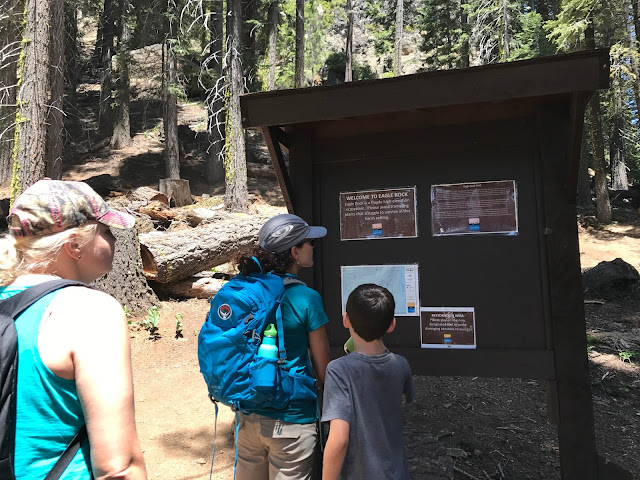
(456, 190)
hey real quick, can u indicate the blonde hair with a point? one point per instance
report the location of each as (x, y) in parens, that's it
(23, 255)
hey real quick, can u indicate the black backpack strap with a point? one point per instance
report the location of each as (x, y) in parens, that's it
(70, 452)
(18, 303)
(12, 307)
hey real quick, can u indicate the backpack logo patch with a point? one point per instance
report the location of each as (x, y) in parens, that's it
(224, 311)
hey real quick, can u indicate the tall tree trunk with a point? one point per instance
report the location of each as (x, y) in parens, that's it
(236, 195)
(599, 166)
(584, 180)
(299, 72)
(71, 50)
(466, 29)
(171, 146)
(10, 21)
(274, 14)
(250, 55)
(106, 117)
(53, 157)
(505, 32)
(603, 204)
(399, 35)
(616, 144)
(348, 67)
(633, 43)
(214, 163)
(34, 84)
(122, 126)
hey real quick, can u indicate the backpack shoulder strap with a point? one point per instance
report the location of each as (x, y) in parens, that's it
(18, 303)
(65, 459)
(288, 280)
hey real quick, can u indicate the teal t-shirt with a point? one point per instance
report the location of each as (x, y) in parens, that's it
(48, 411)
(302, 312)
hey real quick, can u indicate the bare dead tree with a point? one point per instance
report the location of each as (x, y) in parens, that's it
(10, 21)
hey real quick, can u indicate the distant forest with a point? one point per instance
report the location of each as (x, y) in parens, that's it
(215, 50)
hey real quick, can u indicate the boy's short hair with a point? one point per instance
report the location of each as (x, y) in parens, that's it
(370, 308)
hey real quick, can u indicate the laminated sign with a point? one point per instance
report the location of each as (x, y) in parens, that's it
(374, 214)
(474, 208)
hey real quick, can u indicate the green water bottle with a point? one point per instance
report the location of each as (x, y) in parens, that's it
(268, 347)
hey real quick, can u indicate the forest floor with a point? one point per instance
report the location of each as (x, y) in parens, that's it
(498, 426)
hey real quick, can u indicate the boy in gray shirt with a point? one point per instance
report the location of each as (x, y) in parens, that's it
(363, 395)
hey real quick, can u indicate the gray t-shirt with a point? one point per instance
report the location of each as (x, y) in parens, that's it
(366, 391)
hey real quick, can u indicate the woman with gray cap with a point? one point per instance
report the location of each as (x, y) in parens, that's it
(274, 444)
(74, 363)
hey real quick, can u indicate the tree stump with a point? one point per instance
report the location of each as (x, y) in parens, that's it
(177, 190)
(126, 281)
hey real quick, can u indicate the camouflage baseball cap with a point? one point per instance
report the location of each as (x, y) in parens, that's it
(52, 206)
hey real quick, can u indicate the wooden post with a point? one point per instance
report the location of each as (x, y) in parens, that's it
(576, 437)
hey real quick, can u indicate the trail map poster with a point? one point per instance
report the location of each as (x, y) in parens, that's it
(474, 208)
(448, 327)
(400, 280)
(373, 214)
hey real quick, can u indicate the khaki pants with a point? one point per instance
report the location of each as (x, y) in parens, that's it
(271, 449)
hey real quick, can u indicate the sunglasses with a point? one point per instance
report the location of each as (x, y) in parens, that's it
(310, 241)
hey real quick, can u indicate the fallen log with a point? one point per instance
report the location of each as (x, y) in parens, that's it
(159, 211)
(168, 257)
(191, 287)
(148, 194)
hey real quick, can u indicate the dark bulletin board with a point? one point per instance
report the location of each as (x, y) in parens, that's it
(499, 275)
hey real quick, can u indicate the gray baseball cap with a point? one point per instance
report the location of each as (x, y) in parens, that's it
(282, 232)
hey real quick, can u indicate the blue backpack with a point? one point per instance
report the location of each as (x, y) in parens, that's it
(229, 341)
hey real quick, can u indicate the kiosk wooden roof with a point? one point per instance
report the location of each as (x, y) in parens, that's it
(433, 98)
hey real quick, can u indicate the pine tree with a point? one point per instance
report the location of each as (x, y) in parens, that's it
(444, 38)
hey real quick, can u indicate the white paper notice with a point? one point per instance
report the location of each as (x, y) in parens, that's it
(400, 280)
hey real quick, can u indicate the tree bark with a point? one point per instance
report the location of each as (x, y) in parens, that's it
(171, 147)
(214, 160)
(273, 17)
(299, 72)
(399, 35)
(168, 257)
(71, 51)
(584, 180)
(126, 281)
(619, 179)
(56, 103)
(106, 50)
(31, 115)
(250, 55)
(122, 126)
(505, 32)
(10, 21)
(348, 68)
(603, 204)
(236, 194)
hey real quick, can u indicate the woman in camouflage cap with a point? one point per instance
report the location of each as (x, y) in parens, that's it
(74, 355)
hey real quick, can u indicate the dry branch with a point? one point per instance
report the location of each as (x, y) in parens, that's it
(168, 257)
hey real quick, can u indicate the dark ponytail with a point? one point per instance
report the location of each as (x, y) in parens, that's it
(246, 264)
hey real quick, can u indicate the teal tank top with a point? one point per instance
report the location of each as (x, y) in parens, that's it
(48, 411)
